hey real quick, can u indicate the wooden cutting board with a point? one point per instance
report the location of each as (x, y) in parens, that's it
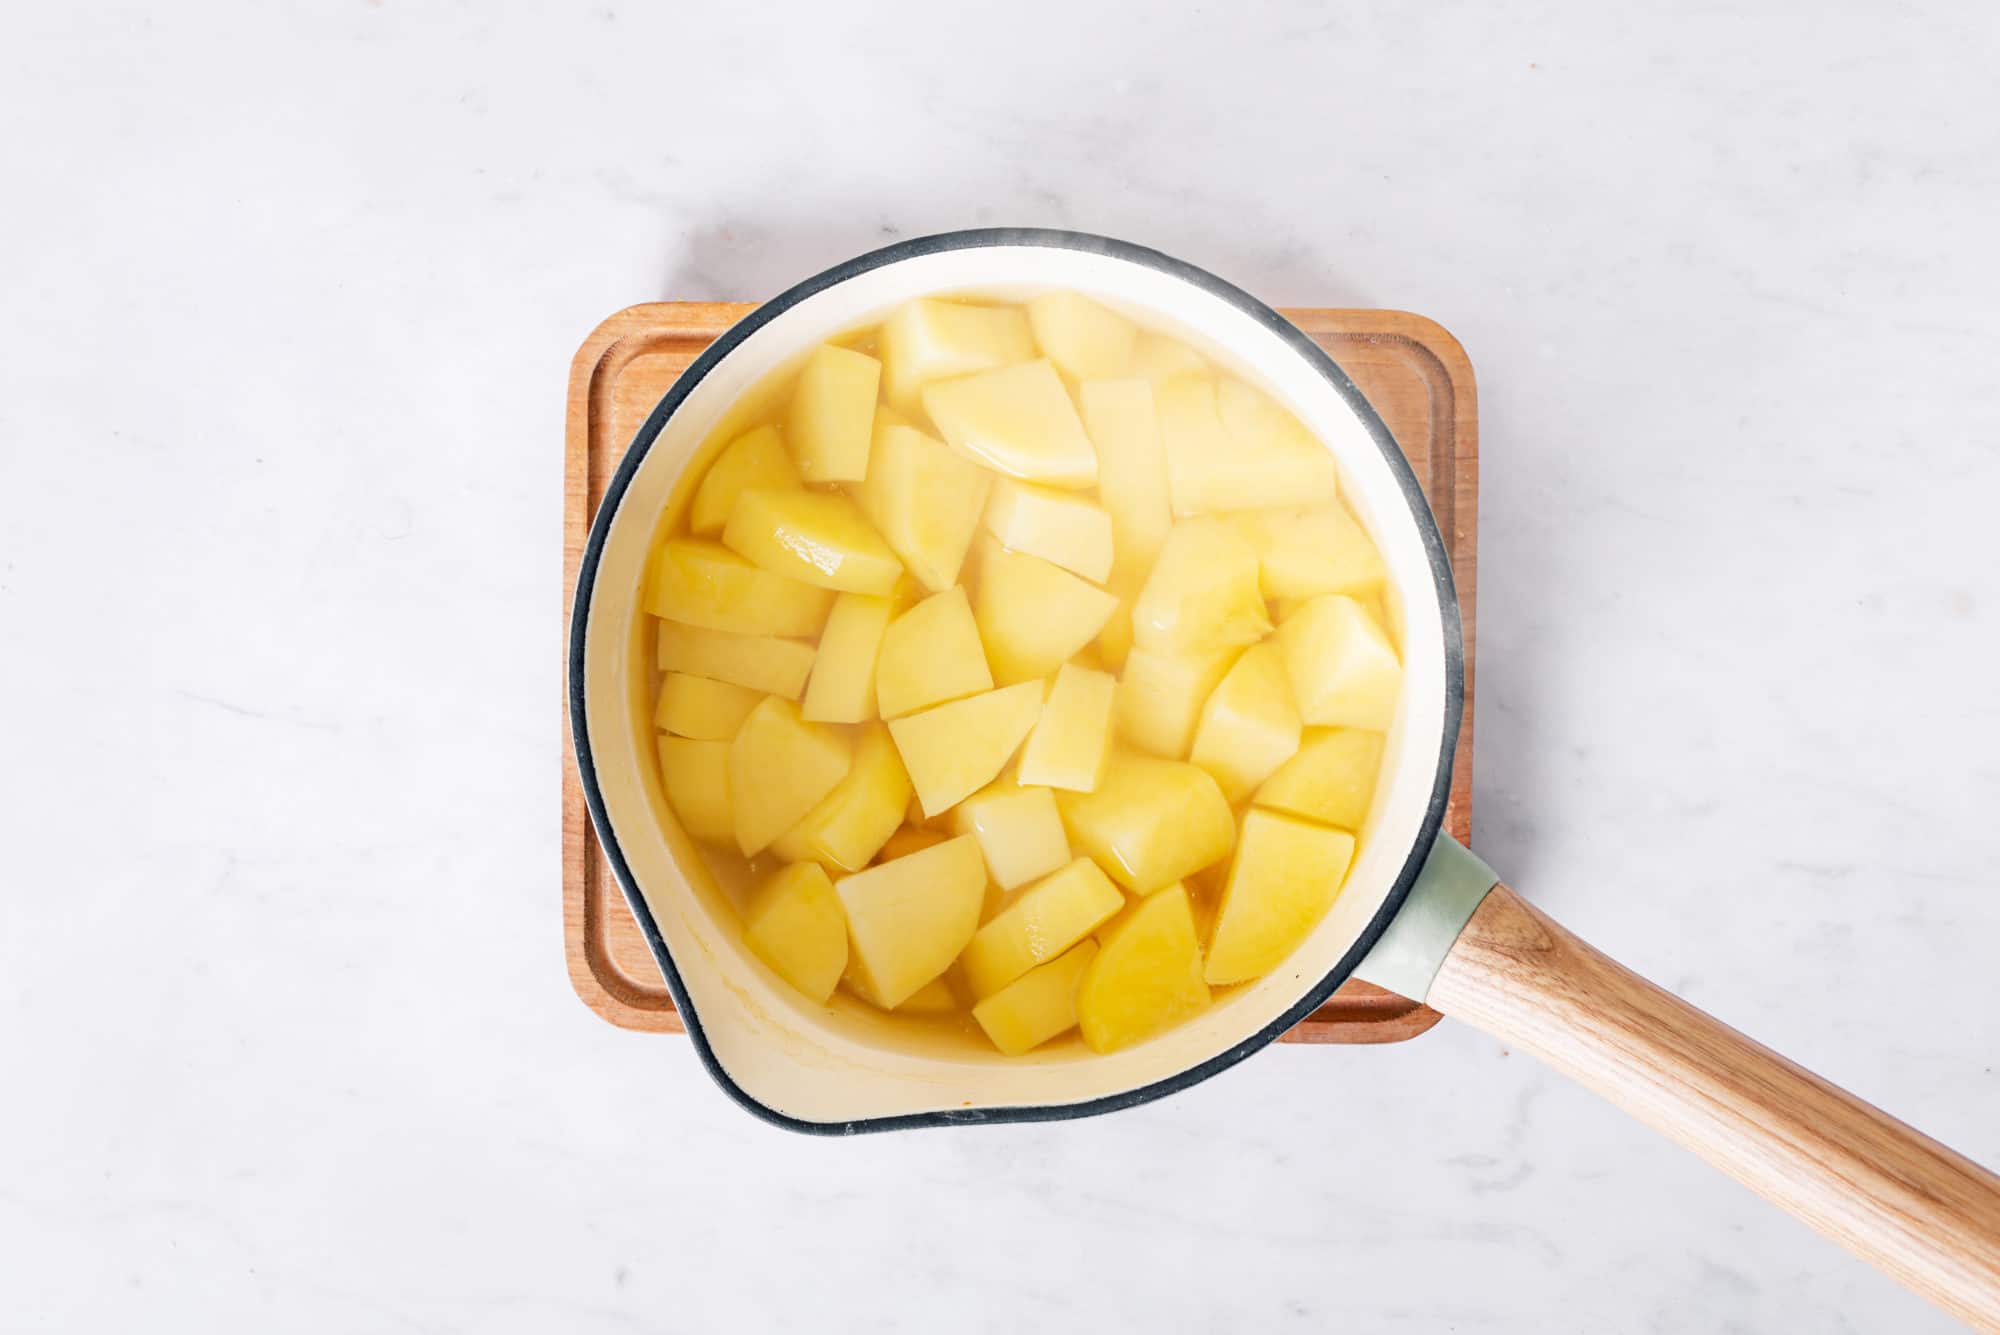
(1414, 373)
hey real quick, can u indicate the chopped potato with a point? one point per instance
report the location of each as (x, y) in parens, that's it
(907, 920)
(1072, 740)
(1019, 830)
(1017, 421)
(929, 339)
(1330, 780)
(852, 823)
(842, 686)
(1146, 976)
(795, 924)
(779, 768)
(1150, 822)
(931, 654)
(1083, 339)
(759, 662)
(702, 583)
(952, 751)
(1229, 447)
(1058, 526)
(1342, 668)
(1160, 696)
(924, 500)
(703, 709)
(832, 417)
(1156, 357)
(1038, 1005)
(1286, 874)
(1043, 921)
(1124, 427)
(1304, 554)
(1202, 592)
(754, 459)
(696, 776)
(814, 537)
(1034, 616)
(1249, 726)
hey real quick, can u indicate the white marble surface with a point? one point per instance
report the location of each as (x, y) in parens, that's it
(289, 294)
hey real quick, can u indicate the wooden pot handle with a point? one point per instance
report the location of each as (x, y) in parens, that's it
(1889, 1194)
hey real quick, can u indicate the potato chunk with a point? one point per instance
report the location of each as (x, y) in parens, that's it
(814, 537)
(1155, 357)
(1038, 1005)
(954, 750)
(931, 654)
(697, 707)
(1072, 740)
(1033, 616)
(1249, 726)
(1046, 919)
(1286, 874)
(1228, 447)
(1343, 671)
(1017, 420)
(1202, 594)
(795, 924)
(1330, 780)
(754, 459)
(832, 417)
(1160, 696)
(1147, 975)
(1124, 427)
(696, 777)
(928, 340)
(1058, 526)
(1150, 822)
(780, 767)
(1083, 339)
(703, 583)
(1304, 554)
(924, 500)
(1019, 830)
(852, 823)
(842, 686)
(907, 920)
(759, 662)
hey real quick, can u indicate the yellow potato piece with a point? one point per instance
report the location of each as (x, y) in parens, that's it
(1038, 1005)
(925, 501)
(907, 920)
(1150, 822)
(852, 823)
(931, 654)
(1343, 670)
(842, 686)
(759, 662)
(1046, 919)
(1034, 616)
(1083, 339)
(954, 750)
(1202, 594)
(1330, 780)
(1155, 357)
(795, 924)
(696, 777)
(1146, 976)
(1020, 832)
(1160, 696)
(933, 998)
(832, 415)
(1228, 447)
(780, 767)
(1124, 427)
(1304, 554)
(703, 583)
(814, 537)
(1017, 420)
(1070, 744)
(696, 707)
(1286, 874)
(1249, 726)
(754, 459)
(928, 340)
(1058, 526)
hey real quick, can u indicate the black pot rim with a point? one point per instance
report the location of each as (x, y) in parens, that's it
(1420, 513)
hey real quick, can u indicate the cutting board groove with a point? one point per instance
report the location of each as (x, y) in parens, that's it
(1411, 369)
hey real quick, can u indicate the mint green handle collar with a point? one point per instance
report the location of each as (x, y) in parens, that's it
(1412, 950)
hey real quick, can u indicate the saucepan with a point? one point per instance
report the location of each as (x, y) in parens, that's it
(1419, 915)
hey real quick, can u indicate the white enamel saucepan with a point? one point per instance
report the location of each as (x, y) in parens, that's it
(1419, 914)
